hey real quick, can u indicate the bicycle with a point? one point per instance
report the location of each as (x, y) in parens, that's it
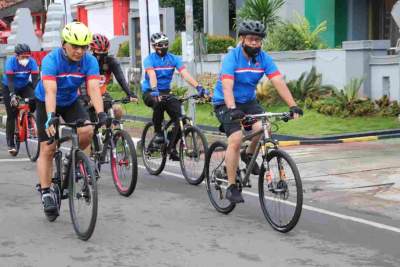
(25, 130)
(279, 183)
(192, 145)
(122, 152)
(74, 181)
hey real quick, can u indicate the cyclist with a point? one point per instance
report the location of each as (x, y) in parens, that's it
(159, 67)
(18, 69)
(235, 96)
(63, 71)
(109, 65)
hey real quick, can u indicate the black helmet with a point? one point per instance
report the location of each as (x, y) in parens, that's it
(158, 37)
(22, 49)
(252, 27)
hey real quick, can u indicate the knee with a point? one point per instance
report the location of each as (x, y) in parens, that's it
(85, 133)
(235, 140)
(47, 151)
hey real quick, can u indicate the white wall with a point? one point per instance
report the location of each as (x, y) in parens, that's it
(288, 10)
(385, 73)
(100, 19)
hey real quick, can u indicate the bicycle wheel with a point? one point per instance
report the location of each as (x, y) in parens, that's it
(192, 157)
(82, 196)
(280, 191)
(124, 166)
(154, 156)
(31, 141)
(17, 141)
(216, 178)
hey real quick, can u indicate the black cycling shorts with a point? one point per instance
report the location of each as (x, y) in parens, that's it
(69, 114)
(223, 116)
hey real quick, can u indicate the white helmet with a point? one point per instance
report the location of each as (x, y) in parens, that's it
(158, 37)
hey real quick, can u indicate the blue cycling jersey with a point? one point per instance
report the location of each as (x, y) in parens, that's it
(21, 74)
(245, 73)
(68, 75)
(164, 68)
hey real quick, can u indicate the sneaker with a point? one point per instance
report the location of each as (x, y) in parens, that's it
(158, 138)
(173, 155)
(246, 158)
(12, 150)
(49, 205)
(233, 194)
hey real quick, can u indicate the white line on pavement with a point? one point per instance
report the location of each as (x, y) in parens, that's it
(310, 208)
(14, 160)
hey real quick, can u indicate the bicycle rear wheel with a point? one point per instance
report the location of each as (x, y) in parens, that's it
(154, 156)
(31, 141)
(192, 157)
(124, 165)
(83, 196)
(282, 200)
(216, 178)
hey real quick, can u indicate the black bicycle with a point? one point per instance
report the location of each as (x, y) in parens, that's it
(74, 179)
(115, 146)
(279, 184)
(192, 145)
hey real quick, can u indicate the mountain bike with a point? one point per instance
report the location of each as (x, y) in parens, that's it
(74, 179)
(122, 152)
(25, 130)
(279, 184)
(192, 145)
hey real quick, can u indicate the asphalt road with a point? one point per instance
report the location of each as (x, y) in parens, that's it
(167, 222)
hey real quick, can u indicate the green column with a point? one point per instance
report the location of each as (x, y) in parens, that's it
(335, 13)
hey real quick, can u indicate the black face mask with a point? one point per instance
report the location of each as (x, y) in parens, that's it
(251, 51)
(162, 51)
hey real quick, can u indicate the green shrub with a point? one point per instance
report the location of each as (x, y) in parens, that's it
(176, 46)
(217, 44)
(267, 94)
(123, 50)
(178, 91)
(386, 107)
(295, 36)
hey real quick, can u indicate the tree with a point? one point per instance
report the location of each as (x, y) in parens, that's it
(262, 10)
(179, 6)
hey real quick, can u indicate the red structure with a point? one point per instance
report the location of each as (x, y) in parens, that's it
(81, 15)
(120, 14)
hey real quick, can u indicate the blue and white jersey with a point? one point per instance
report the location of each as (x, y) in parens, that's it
(245, 73)
(68, 75)
(164, 68)
(20, 73)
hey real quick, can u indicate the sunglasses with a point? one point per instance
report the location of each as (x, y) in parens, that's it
(161, 45)
(76, 47)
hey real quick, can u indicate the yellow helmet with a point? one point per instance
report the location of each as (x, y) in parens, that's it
(76, 33)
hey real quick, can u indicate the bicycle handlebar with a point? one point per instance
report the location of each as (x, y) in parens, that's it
(77, 124)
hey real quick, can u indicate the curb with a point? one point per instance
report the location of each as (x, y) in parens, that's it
(338, 139)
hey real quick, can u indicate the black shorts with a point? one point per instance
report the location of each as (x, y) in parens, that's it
(69, 114)
(223, 116)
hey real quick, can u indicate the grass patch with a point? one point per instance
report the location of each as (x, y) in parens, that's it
(311, 124)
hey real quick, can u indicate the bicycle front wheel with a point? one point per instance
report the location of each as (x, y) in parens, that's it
(124, 166)
(31, 141)
(217, 178)
(280, 191)
(83, 196)
(154, 156)
(192, 157)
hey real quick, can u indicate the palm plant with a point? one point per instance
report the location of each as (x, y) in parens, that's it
(262, 10)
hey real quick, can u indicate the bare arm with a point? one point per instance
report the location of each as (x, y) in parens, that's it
(227, 86)
(93, 89)
(50, 87)
(187, 77)
(283, 90)
(152, 77)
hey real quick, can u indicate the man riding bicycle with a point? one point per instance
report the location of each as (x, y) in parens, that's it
(15, 83)
(160, 66)
(109, 65)
(63, 71)
(235, 96)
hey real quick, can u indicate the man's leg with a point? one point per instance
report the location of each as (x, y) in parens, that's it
(173, 108)
(10, 124)
(158, 116)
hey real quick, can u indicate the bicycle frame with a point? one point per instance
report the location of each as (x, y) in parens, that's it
(22, 121)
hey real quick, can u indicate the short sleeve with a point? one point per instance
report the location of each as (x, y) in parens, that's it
(49, 68)
(8, 68)
(270, 69)
(148, 64)
(228, 66)
(92, 71)
(34, 66)
(179, 64)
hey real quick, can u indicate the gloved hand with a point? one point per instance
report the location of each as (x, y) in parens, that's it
(201, 91)
(133, 98)
(51, 124)
(155, 94)
(102, 118)
(236, 114)
(295, 110)
(13, 100)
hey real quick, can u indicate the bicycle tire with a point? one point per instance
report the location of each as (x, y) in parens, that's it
(283, 196)
(88, 193)
(225, 206)
(145, 152)
(197, 178)
(31, 142)
(17, 142)
(131, 159)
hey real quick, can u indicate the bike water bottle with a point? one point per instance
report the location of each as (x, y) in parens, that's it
(99, 141)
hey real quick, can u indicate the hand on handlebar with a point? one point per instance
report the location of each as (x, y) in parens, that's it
(51, 124)
(295, 112)
(13, 100)
(236, 114)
